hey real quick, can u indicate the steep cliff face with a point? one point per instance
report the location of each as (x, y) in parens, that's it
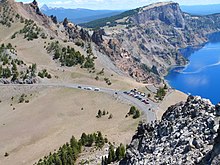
(97, 36)
(152, 35)
(187, 132)
(167, 12)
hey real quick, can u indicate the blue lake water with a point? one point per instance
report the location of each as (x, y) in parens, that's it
(202, 75)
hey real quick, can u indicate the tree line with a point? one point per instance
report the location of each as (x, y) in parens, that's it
(114, 155)
(69, 152)
(67, 56)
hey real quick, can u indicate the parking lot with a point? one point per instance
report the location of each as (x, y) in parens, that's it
(139, 98)
(138, 95)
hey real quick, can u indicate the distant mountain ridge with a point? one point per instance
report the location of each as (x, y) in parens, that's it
(78, 15)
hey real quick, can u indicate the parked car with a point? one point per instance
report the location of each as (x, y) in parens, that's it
(97, 89)
(131, 94)
(89, 88)
(79, 87)
(142, 100)
(136, 96)
(145, 101)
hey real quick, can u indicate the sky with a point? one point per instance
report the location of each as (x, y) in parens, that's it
(114, 4)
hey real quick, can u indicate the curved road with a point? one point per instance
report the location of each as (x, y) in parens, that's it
(150, 115)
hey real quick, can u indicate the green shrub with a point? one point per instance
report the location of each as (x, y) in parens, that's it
(134, 112)
(137, 114)
(21, 99)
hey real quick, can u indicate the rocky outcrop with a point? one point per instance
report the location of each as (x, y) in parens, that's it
(65, 22)
(217, 107)
(187, 134)
(167, 12)
(54, 19)
(85, 35)
(153, 36)
(97, 36)
(35, 6)
(213, 157)
(29, 80)
(76, 33)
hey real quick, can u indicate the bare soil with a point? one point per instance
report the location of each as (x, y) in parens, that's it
(52, 116)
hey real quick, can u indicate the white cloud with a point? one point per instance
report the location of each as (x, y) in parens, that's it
(60, 3)
(114, 4)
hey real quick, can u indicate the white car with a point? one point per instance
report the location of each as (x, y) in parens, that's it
(97, 89)
(89, 88)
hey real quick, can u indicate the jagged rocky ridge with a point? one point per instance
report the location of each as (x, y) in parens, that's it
(151, 37)
(187, 134)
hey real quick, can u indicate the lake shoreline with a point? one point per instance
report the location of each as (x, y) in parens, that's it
(198, 77)
(193, 49)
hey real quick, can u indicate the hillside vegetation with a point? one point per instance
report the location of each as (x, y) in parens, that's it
(13, 70)
(110, 21)
(67, 56)
(69, 152)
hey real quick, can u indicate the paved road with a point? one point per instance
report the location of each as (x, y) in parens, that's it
(146, 108)
(150, 115)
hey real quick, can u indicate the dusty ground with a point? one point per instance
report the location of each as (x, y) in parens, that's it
(52, 117)
(173, 97)
(6, 33)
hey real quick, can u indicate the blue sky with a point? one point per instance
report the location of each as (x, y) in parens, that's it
(113, 4)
